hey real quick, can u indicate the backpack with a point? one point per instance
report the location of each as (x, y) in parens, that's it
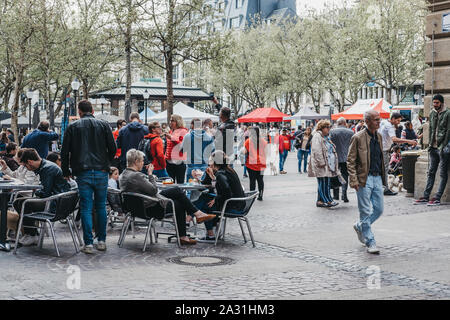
(145, 147)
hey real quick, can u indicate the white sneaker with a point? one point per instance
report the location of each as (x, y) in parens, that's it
(28, 240)
(373, 249)
(101, 246)
(88, 249)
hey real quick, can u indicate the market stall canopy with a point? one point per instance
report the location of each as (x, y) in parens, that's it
(111, 119)
(186, 112)
(306, 113)
(356, 111)
(264, 115)
(408, 107)
(150, 113)
(22, 122)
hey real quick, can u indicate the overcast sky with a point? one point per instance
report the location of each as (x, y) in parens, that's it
(314, 4)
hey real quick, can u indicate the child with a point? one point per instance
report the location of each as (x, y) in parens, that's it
(113, 178)
(395, 157)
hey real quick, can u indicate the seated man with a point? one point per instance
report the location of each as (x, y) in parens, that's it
(53, 183)
(227, 184)
(133, 180)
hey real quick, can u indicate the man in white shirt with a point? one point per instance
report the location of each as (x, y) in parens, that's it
(387, 131)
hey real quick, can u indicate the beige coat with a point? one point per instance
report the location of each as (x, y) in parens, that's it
(358, 160)
(318, 161)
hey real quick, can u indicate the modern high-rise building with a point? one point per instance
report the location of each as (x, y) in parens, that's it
(238, 14)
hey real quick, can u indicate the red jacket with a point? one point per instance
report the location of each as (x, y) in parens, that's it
(119, 151)
(173, 148)
(157, 150)
(255, 160)
(284, 142)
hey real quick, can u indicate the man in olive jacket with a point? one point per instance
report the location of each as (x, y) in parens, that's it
(439, 151)
(366, 175)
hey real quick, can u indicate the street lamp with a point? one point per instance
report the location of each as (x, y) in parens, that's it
(30, 94)
(146, 95)
(75, 87)
(102, 98)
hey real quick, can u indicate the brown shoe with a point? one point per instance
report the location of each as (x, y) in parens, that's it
(188, 242)
(206, 218)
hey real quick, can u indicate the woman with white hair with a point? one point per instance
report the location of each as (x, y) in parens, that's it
(133, 180)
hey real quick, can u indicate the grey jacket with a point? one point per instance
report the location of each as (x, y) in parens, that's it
(137, 182)
(341, 137)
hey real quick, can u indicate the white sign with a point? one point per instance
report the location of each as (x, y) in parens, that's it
(446, 22)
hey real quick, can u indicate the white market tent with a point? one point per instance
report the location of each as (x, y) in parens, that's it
(186, 112)
(306, 113)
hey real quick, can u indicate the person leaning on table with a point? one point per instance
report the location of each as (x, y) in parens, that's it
(133, 180)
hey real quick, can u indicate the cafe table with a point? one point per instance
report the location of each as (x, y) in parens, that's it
(7, 187)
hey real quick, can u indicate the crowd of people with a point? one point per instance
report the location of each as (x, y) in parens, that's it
(133, 157)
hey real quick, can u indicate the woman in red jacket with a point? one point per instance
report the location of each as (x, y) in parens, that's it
(176, 168)
(255, 148)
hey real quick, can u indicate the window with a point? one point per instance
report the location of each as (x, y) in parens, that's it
(239, 3)
(235, 23)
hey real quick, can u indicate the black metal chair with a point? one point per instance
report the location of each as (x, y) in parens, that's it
(134, 205)
(64, 204)
(223, 215)
(114, 201)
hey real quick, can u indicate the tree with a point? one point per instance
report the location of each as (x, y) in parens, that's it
(172, 32)
(17, 27)
(394, 46)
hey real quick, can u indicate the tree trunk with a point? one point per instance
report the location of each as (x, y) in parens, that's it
(128, 68)
(15, 107)
(169, 80)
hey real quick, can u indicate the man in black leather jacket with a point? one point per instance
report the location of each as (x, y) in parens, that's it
(88, 148)
(226, 132)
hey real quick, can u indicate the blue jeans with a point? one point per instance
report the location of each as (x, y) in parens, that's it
(161, 173)
(92, 187)
(283, 157)
(323, 192)
(302, 155)
(437, 160)
(191, 167)
(370, 205)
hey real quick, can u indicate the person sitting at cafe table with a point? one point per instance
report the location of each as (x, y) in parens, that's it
(53, 183)
(133, 180)
(226, 182)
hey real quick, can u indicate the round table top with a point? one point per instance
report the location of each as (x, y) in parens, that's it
(184, 186)
(14, 185)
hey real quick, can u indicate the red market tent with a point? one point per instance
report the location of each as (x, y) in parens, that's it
(356, 111)
(264, 115)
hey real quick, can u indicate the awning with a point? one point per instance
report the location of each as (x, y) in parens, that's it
(186, 112)
(306, 113)
(356, 111)
(264, 115)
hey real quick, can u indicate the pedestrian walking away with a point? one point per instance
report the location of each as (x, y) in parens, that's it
(439, 151)
(341, 137)
(366, 175)
(256, 150)
(88, 149)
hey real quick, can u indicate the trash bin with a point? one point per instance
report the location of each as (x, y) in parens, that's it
(409, 159)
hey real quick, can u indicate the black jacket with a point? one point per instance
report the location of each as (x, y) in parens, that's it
(129, 138)
(12, 164)
(51, 179)
(228, 186)
(88, 145)
(225, 138)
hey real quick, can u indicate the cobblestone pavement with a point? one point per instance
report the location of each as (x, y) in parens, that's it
(302, 252)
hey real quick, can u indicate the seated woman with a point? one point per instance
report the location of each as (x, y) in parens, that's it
(227, 184)
(133, 180)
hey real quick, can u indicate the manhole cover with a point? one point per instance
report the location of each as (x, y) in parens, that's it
(201, 261)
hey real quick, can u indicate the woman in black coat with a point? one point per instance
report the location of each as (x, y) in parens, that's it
(227, 185)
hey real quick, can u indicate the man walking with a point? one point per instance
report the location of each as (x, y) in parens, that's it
(129, 137)
(341, 137)
(388, 132)
(366, 175)
(439, 151)
(39, 139)
(88, 149)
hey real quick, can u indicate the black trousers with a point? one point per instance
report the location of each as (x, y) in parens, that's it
(30, 207)
(256, 176)
(183, 206)
(344, 173)
(176, 171)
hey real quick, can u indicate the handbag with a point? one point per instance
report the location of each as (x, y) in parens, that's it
(335, 183)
